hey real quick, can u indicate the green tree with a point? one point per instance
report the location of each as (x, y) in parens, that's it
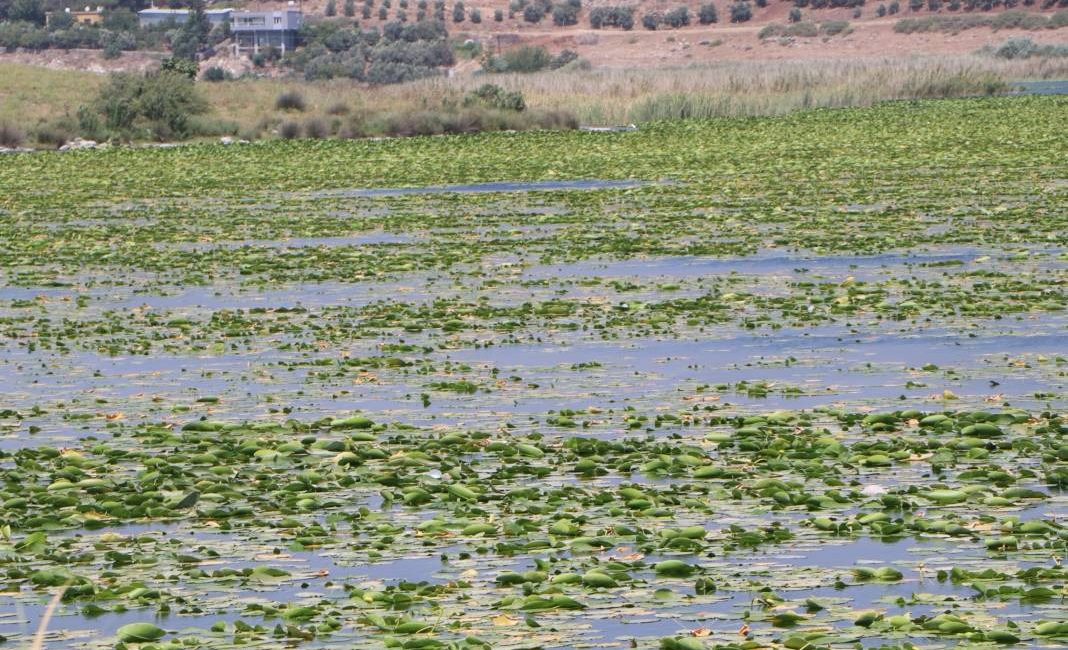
(708, 14)
(31, 11)
(193, 35)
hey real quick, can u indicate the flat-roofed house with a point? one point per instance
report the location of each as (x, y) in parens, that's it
(88, 16)
(157, 16)
(255, 30)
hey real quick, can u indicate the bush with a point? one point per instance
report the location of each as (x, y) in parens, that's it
(708, 15)
(350, 8)
(215, 74)
(528, 58)
(652, 20)
(178, 66)
(494, 96)
(391, 72)
(339, 108)
(1025, 48)
(533, 14)
(159, 104)
(476, 16)
(315, 129)
(741, 12)
(10, 137)
(30, 11)
(113, 50)
(458, 12)
(835, 27)
(498, 15)
(291, 100)
(289, 130)
(564, 15)
(795, 15)
(331, 8)
(677, 17)
(54, 134)
(622, 17)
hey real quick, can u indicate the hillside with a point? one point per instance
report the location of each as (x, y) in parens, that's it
(867, 36)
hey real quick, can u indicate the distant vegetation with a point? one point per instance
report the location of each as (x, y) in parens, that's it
(1025, 48)
(604, 17)
(530, 58)
(395, 54)
(1007, 20)
(154, 106)
(23, 25)
(805, 29)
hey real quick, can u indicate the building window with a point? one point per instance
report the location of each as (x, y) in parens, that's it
(277, 20)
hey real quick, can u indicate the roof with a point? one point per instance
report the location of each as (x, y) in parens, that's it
(170, 12)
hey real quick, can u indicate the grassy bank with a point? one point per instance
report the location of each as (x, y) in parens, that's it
(248, 108)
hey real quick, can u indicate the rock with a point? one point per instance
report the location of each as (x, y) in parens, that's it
(7, 150)
(78, 144)
(226, 140)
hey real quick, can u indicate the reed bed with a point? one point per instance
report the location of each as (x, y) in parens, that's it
(598, 96)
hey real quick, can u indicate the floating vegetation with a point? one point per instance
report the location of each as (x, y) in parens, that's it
(794, 382)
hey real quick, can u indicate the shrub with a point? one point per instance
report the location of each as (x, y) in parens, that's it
(564, 58)
(315, 129)
(113, 50)
(622, 17)
(54, 134)
(741, 12)
(652, 20)
(160, 104)
(458, 12)
(565, 14)
(1025, 48)
(350, 8)
(881, 11)
(533, 14)
(10, 136)
(469, 49)
(708, 14)
(339, 108)
(331, 8)
(795, 15)
(291, 100)
(494, 96)
(215, 73)
(476, 16)
(677, 17)
(528, 58)
(835, 27)
(30, 11)
(498, 15)
(894, 7)
(391, 72)
(180, 66)
(289, 130)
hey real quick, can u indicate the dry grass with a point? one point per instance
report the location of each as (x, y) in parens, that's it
(599, 96)
(30, 95)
